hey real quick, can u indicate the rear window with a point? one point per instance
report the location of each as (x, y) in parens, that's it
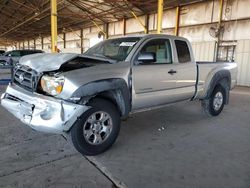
(182, 51)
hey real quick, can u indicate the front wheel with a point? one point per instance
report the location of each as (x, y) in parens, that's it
(97, 128)
(215, 104)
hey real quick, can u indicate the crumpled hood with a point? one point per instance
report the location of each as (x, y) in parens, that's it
(5, 58)
(46, 61)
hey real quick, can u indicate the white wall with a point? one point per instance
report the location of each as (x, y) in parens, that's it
(243, 61)
(203, 51)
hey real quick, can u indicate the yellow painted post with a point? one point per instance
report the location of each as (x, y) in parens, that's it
(221, 11)
(177, 21)
(159, 16)
(219, 26)
(53, 26)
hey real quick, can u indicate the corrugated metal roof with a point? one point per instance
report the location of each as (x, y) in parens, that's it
(27, 19)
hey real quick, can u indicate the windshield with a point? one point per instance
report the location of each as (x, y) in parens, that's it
(6, 53)
(115, 49)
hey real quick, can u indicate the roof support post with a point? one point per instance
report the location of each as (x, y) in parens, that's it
(81, 38)
(159, 16)
(147, 23)
(64, 40)
(124, 26)
(53, 26)
(34, 43)
(221, 11)
(106, 30)
(177, 21)
(42, 43)
(219, 27)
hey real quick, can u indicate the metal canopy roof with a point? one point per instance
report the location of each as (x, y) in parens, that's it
(28, 19)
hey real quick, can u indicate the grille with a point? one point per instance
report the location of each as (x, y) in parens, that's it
(25, 77)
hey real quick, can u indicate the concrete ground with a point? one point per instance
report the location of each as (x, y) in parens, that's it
(177, 146)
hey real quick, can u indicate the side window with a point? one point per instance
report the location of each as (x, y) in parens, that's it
(183, 52)
(15, 54)
(23, 53)
(161, 49)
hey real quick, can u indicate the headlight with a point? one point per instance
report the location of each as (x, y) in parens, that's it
(52, 85)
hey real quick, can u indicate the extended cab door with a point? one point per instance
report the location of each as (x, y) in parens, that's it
(186, 70)
(153, 82)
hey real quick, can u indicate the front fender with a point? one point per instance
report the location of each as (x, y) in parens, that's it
(117, 87)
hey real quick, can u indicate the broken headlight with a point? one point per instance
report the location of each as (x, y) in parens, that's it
(52, 85)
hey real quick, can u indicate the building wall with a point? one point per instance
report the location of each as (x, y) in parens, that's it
(195, 23)
(243, 60)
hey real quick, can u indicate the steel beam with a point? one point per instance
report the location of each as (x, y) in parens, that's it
(24, 22)
(177, 21)
(138, 19)
(147, 23)
(219, 27)
(221, 11)
(42, 43)
(64, 40)
(53, 26)
(81, 42)
(124, 26)
(159, 16)
(34, 43)
(100, 29)
(106, 30)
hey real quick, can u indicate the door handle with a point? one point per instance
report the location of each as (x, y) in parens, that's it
(172, 72)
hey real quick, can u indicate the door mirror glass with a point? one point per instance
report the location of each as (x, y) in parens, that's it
(147, 57)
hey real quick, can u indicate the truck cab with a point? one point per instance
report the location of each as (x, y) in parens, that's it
(164, 71)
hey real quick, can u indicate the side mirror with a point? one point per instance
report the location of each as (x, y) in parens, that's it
(9, 55)
(147, 57)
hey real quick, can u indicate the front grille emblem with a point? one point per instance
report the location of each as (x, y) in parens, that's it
(21, 77)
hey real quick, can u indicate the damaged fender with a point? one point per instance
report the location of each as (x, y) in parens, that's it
(115, 90)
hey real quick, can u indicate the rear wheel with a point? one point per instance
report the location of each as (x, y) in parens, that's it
(97, 129)
(215, 104)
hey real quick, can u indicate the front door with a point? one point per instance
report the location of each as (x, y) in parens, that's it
(154, 82)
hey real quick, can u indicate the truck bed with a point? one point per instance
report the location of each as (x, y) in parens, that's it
(206, 71)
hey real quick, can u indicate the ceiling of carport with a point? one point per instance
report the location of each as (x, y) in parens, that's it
(28, 19)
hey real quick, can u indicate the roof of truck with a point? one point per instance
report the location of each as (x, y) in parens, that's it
(149, 36)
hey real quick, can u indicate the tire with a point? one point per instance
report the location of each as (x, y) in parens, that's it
(215, 104)
(91, 134)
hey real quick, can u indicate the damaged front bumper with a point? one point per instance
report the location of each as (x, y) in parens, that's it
(40, 112)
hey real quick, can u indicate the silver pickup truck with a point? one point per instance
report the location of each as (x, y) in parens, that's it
(84, 97)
